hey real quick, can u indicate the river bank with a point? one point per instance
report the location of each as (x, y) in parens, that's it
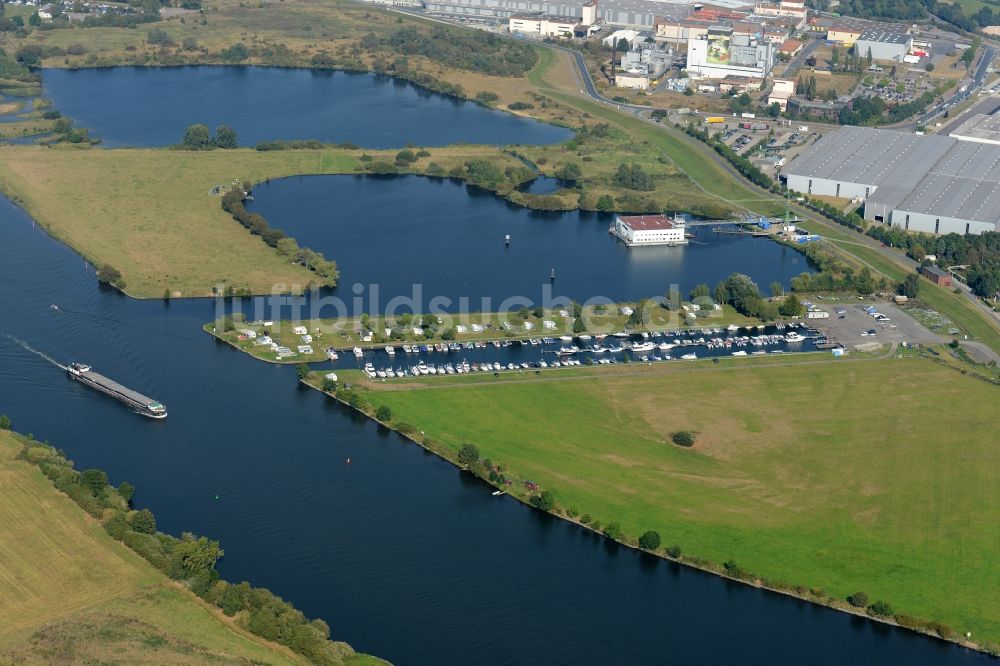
(372, 400)
(67, 594)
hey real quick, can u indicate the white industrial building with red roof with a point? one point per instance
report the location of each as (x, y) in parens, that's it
(649, 230)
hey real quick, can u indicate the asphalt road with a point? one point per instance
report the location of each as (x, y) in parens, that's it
(979, 75)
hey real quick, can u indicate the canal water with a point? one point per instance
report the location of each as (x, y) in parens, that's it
(449, 238)
(402, 554)
(151, 106)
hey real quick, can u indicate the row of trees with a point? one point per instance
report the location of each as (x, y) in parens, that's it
(908, 10)
(198, 137)
(189, 559)
(980, 252)
(326, 270)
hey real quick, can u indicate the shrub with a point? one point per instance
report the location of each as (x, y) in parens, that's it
(520, 106)
(941, 629)
(383, 413)
(674, 551)
(543, 502)
(143, 521)
(858, 599)
(487, 97)
(108, 274)
(605, 203)
(733, 569)
(613, 531)
(468, 454)
(585, 518)
(94, 480)
(683, 438)
(302, 370)
(5, 423)
(880, 609)
(116, 527)
(649, 540)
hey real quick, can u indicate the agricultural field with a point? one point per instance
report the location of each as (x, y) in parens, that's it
(805, 472)
(70, 593)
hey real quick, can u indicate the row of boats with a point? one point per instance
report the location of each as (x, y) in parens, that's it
(462, 367)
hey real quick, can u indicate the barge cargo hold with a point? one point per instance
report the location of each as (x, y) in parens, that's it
(138, 402)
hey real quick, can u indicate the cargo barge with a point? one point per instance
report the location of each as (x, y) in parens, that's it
(138, 402)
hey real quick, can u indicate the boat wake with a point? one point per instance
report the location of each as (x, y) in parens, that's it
(28, 347)
(107, 320)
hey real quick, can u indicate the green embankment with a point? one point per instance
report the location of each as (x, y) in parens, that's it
(878, 476)
(70, 593)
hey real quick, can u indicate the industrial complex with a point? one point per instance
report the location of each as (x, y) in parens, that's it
(934, 184)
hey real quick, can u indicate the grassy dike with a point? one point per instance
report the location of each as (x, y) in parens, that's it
(805, 478)
(69, 592)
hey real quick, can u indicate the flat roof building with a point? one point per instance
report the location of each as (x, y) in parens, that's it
(884, 44)
(934, 184)
(721, 53)
(649, 230)
(981, 128)
(545, 25)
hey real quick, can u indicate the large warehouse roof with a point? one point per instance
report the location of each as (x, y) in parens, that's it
(965, 184)
(934, 174)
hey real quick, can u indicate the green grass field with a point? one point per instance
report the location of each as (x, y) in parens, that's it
(150, 213)
(69, 593)
(873, 475)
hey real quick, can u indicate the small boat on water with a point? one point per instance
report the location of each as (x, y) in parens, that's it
(689, 357)
(390, 350)
(331, 354)
(358, 353)
(739, 353)
(498, 493)
(643, 347)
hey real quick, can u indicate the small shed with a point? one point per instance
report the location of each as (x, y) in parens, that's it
(936, 275)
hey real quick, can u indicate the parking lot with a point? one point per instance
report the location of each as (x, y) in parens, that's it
(851, 329)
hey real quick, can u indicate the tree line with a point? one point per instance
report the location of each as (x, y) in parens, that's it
(198, 137)
(189, 559)
(473, 50)
(980, 252)
(326, 270)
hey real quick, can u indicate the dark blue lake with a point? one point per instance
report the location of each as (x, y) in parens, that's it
(448, 238)
(403, 555)
(151, 106)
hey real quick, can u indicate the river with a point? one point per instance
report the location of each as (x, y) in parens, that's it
(403, 555)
